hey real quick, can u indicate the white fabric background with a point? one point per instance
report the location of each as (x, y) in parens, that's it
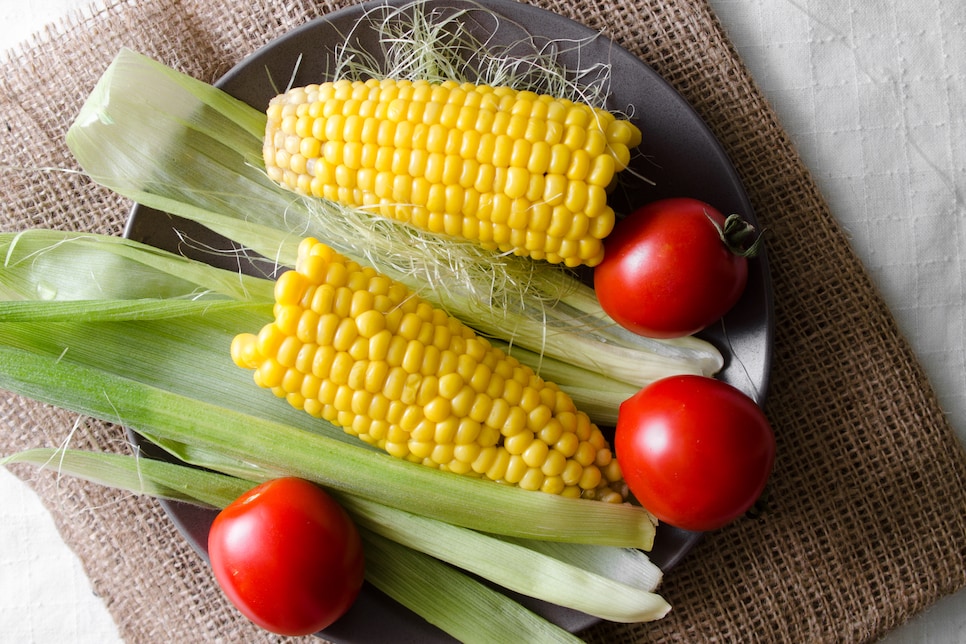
(872, 93)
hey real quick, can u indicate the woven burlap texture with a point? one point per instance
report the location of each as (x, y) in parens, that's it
(866, 515)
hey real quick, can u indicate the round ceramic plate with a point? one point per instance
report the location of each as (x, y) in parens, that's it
(678, 156)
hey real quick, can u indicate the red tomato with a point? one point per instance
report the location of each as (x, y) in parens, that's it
(673, 267)
(695, 451)
(287, 556)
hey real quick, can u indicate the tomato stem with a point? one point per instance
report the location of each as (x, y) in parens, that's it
(736, 234)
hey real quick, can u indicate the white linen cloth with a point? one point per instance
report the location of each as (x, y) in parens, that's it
(872, 94)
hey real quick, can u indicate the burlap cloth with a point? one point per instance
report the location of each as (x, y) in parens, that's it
(866, 522)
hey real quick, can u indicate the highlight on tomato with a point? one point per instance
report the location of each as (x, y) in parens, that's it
(674, 267)
(695, 451)
(288, 556)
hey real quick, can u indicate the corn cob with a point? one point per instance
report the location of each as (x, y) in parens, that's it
(364, 352)
(513, 170)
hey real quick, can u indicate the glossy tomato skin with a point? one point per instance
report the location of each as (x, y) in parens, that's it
(695, 451)
(666, 271)
(287, 556)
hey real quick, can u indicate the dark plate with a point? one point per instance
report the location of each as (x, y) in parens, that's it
(679, 155)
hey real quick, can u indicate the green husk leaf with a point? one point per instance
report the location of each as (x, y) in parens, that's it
(48, 265)
(512, 566)
(627, 565)
(492, 616)
(74, 370)
(145, 476)
(125, 310)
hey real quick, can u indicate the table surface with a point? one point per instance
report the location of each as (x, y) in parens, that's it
(871, 94)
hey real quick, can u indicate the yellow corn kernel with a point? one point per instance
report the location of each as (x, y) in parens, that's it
(519, 442)
(555, 485)
(516, 469)
(551, 432)
(623, 133)
(462, 402)
(391, 369)
(567, 444)
(554, 463)
(590, 478)
(379, 407)
(421, 449)
(536, 453)
(497, 469)
(532, 480)
(244, 352)
(399, 146)
(538, 417)
(467, 454)
(457, 466)
(396, 448)
(485, 459)
(572, 473)
(612, 473)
